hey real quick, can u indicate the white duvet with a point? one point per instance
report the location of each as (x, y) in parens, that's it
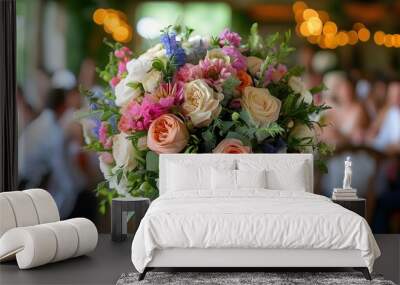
(253, 218)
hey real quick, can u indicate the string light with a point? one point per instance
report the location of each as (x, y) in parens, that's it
(363, 34)
(317, 27)
(115, 23)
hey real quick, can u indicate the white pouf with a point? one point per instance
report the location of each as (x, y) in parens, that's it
(37, 245)
(31, 231)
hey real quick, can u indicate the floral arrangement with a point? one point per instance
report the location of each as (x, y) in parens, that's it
(198, 95)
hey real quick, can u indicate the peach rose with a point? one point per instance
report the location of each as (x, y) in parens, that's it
(261, 105)
(231, 146)
(167, 134)
(254, 64)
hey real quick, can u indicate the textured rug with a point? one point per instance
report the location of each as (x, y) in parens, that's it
(243, 278)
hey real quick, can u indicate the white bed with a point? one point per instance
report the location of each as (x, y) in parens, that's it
(249, 227)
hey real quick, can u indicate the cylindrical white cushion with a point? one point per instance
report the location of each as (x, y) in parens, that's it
(23, 208)
(87, 233)
(33, 246)
(41, 244)
(7, 218)
(67, 240)
(45, 205)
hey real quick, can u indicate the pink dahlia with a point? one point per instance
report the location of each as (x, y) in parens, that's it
(229, 38)
(238, 61)
(188, 72)
(215, 72)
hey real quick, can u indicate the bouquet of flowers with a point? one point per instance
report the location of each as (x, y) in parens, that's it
(198, 95)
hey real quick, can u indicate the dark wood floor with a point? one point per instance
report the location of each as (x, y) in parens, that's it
(110, 260)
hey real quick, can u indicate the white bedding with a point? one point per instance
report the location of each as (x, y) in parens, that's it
(251, 218)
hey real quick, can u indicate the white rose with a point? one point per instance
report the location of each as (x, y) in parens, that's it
(303, 131)
(298, 86)
(217, 53)
(124, 93)
(105, 168)
(201, 103)
(123, 152)
(156, 51)
(151, 81)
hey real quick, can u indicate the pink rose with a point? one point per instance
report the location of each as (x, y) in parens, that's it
(167, 134)
(231, 146)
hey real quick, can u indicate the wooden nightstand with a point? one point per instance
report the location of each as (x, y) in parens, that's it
(357, 205)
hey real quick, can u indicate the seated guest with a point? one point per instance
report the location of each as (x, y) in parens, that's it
(43, 161)
(384, 134)
(347, 119)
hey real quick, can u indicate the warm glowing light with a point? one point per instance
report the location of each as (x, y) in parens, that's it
(353, 37)
(330, 28)
(304, 29)
(297, 29)
(396, 40)
(342, 38)
(99, 15)
(358, 26)
(313, 39)
(111, 21)
(309, 13)
(323, 15)
(299, 17)
(314, 25)
(299, 6)
(379, 38)
(388, 40)
(122, 33)
(364, 34)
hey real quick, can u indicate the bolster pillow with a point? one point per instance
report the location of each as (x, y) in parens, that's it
(40, 244)
(26, 208)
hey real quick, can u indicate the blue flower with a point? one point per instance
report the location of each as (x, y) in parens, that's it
(273, 146)
(113, 123)
(96, 129)
(93, 107)
(173, 48)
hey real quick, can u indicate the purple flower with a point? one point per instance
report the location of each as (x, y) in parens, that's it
(229, 38)
(173, 48)
(273, 146)
(238, 60)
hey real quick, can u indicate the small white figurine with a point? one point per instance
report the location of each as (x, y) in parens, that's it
(347, 173)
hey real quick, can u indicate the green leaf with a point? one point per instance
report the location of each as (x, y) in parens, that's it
(158, 64)
(152, 161)
(106, 115)
(318, 89)
(236, 135)
(272, 130)
(135, 85)
(230, 84)
(245, 116)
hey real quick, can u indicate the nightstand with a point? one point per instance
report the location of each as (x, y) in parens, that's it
(120, 210)
(357, 205)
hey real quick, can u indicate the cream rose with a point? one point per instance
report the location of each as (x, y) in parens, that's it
(303, 131)
(123, 152)
(298, 86)
(167, 134)
(231, 146)
(261, 105)
(217, 53)
(254, 64)
(156, 51)
(201, 103)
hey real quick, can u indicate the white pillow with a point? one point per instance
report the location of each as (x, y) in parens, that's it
(223, 179)
(251, 178)
(186, 176)
(288, 174)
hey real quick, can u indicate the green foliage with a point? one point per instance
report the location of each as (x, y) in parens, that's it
(152, 161)
(105, 196)
(167, 68)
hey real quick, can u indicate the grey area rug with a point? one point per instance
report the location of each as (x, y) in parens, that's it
(243, 278)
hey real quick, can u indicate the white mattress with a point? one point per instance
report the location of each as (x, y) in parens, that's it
(250, 219)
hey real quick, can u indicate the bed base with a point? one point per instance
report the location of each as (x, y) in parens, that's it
(363, 270)
(242, 259)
